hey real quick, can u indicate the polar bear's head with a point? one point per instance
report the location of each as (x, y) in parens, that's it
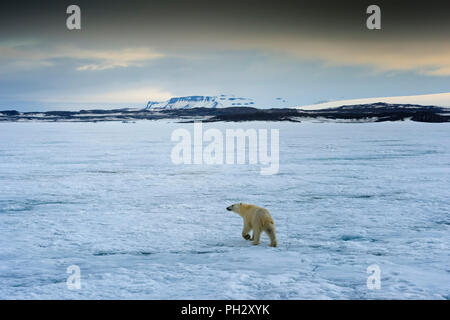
(235, 207)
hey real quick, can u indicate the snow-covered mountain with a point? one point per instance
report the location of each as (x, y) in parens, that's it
(225, 101)
(189, 102)
(438, 100)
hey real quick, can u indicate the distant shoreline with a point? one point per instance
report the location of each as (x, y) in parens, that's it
(375, 112)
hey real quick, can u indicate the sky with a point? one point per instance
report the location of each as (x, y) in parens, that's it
(307, 52)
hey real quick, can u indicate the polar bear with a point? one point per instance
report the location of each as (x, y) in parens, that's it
(256, 218)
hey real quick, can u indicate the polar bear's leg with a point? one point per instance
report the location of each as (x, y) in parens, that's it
(272, 235)
(245, 231)
(256, 235)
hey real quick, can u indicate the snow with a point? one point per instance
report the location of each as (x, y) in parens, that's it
(439, 100)
(106, 197)
(189, 102)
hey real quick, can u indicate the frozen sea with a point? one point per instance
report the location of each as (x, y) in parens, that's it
(107, 198)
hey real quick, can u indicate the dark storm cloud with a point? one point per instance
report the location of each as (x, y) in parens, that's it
(202, 18)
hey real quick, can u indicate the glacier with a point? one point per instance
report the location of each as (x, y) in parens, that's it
(437, 99)
(107, 198)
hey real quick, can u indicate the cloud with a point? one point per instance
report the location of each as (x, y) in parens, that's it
(113, 59)
(425, 56)
(132, 95)
(429, 57)
(136, 95)
(87, 59)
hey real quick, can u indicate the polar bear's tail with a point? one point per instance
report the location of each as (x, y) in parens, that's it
(271, 232)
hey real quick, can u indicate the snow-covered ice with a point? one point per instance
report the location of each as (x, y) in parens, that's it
(437, 99)
(106, 197)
